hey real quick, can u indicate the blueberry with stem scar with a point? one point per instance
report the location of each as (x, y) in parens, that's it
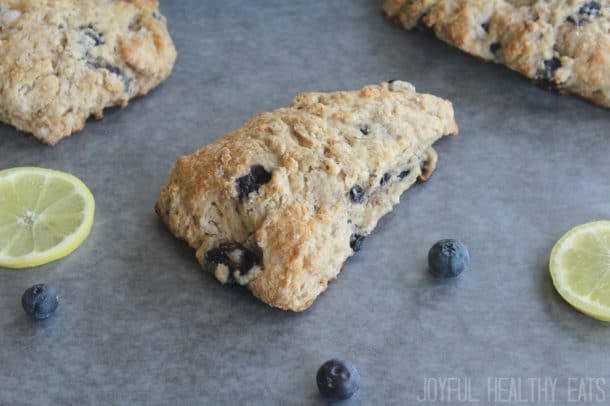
(39, 301)
(448, 258)
(338, 379)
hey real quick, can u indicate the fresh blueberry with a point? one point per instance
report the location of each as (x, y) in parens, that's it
(356, 193)
(448, 258)
(39, 301)
(338, 379)
(251, 182)
(355, 242)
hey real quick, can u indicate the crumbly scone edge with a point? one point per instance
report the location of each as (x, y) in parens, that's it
(561, 45)
(61, 63)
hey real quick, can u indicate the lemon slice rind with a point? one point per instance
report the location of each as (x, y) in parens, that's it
(567, 248)
(70, 241)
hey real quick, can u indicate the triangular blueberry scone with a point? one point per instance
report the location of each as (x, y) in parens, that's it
(62, 61)
(281, 203)
(561, 45)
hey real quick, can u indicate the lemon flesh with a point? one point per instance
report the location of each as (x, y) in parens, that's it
(44, 216)
(580, 268)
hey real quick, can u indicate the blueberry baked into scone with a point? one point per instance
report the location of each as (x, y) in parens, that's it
(279, 204)
(62, 61)
(562, 45)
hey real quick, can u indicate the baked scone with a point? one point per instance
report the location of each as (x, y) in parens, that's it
(562, 45)
(62, 61)
(279, 204)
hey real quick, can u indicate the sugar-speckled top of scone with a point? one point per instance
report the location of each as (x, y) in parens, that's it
(62, 61)
(562, 44)
(280, 204)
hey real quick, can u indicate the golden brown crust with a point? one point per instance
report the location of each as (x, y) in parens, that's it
(296, 186)
(562, 45)
(62, 61)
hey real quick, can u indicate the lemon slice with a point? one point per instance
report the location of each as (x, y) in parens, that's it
(44, 216)
(580, 268)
